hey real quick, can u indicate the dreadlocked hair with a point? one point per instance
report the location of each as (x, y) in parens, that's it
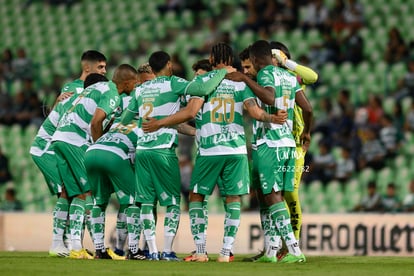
(221, 53)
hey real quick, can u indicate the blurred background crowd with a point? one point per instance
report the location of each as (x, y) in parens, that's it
(362, 50)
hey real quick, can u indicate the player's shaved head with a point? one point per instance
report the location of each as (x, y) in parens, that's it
(124, 72)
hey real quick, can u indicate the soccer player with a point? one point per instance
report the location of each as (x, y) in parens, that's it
(305, 76)
(145, 73)
(222, 153)
(109, 165)
(82, 124)
(43, 154)
(156, 166)
(277, 89)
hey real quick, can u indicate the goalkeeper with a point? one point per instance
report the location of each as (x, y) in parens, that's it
(305, 75)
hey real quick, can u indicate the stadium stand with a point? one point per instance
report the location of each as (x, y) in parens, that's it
(55, 35)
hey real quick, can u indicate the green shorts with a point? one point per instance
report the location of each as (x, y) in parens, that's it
(229, 172)
(276, 167)
(108, 173)
(70, 162)
(158, 177)
(47, 165)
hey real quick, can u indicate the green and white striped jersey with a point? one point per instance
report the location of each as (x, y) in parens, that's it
(74, 126)
(285, 85)
(219, 123)
(120, 139)
(75, 86)
(158, 98)
(41, 142)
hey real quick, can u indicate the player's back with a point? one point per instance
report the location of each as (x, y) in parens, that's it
(74, 125)
(158, 99)
(219, 122)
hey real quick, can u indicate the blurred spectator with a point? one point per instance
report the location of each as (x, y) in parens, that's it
(409, 120)
(178, 66)
(26, 110)
(322, 164)
(408, 201)
(260, 16)
(344, 120)
(396, 48)
(336, 18)
(287, 14)
(354, 14)
(215, 35)
(352, 46)
(389, 136)
(405, 86)
(372, 201)
(327, 51)
(10, 203)
(316, 15)
(5, 174)
(345, 166)
(6, 70)
(22, 66)
(5, 105)
(373, 151)
(390, 201)
(375, 110)
(398, 120)
(323, 122)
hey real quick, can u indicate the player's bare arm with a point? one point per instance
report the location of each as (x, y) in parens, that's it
(265, 94)
(185, 114)
(257, 113)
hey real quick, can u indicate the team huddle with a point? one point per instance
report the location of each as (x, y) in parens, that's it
(121, 136)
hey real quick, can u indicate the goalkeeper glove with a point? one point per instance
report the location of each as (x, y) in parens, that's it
(283, 60)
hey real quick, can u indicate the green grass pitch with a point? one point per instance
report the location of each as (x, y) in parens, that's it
(38, 263)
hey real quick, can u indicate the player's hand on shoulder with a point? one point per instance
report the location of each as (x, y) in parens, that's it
(64, 96)
(230, 69)
(235, 76)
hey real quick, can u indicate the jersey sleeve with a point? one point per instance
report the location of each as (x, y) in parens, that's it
(109, 101)
(179, 85)
(266, 79)
(205, 84)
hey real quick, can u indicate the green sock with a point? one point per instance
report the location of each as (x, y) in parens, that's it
(280, 216)
(231, 226)
(121, 227)
(88, 216)
(60, 216)
(148, 222)
(172, 218)
(98, 226)
(198, 224)
(76, 218)
(134, 227)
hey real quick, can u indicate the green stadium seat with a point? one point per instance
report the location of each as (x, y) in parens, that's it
(365, 176)
(384, 177)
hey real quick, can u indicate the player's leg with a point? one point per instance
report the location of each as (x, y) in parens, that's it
(146, 196)
(235, 183)
(46, 162)
(167, 182)
(71, 166)
(203, 181)
(277, 207)
(292, 199)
